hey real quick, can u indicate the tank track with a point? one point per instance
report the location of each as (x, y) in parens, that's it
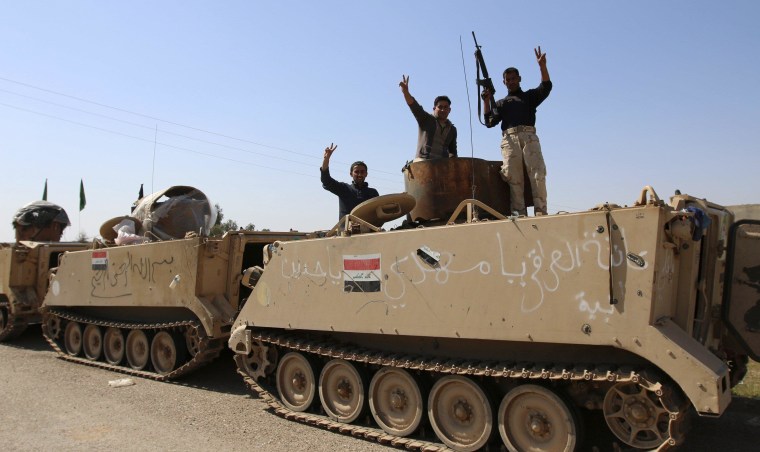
(676, 406)
(208, 349)
(14, 324)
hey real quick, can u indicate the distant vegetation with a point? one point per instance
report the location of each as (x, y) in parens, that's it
(221, 226)
(750, 385)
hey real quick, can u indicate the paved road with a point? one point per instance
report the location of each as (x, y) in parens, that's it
(51, 404)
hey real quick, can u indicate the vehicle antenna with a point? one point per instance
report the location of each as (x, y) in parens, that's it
(469, 109)
(153, 169)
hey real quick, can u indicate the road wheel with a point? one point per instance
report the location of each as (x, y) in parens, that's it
(113, 346)
(460, 413)
(72, 338)
(532, 417)
(295, 382)
(396, 401)
(341, 390)
(92, 342)
(138, 349)
(165, 354)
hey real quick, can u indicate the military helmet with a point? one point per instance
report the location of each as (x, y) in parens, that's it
(40, 214)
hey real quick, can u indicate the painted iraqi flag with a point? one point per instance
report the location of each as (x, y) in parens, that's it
(361, 273)
(100, 260)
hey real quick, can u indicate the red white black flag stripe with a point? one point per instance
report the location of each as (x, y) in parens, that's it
(361, 273)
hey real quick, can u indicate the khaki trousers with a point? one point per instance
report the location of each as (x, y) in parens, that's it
(520, 146)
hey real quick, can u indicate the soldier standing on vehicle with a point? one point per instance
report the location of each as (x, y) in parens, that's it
(437, 135)
(520, 145)
(349, 195)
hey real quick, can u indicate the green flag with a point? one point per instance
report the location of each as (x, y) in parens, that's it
(82, 199)
(44, 192)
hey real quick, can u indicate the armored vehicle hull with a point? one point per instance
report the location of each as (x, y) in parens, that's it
(24, 271)
(156, 310)
(504, 330)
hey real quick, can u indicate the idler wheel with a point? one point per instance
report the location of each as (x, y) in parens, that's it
(92, 342)
(295, 382)
(460, 413)
(260, 362)
(636, 415)
(52, 326)
(193, 341)
(396, 401)
(341, 390)
(72, 338)
(138, 349)
(532, 417)
(113, 346)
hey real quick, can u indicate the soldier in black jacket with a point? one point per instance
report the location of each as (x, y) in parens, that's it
(349, 195)
(520, 145)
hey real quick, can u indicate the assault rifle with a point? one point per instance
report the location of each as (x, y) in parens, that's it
(484, 82)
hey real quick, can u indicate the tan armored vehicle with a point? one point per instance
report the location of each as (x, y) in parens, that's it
(162, 303)
(505, 330)
(25, 264)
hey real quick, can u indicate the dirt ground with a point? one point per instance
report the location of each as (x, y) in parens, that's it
(51, 404)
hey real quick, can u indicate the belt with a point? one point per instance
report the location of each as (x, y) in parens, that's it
(518, 129)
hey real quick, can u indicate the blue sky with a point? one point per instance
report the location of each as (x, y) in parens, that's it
(240, 98)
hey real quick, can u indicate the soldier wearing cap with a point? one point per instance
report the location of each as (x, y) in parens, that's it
(40, 221)
(349, 195)
(519, 143)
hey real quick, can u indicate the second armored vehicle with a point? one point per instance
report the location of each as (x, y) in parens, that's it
(160, 308)
(26, 263)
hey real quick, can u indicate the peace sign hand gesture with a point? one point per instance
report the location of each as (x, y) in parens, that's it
(404, 84)
(329, 150)
(540, 57)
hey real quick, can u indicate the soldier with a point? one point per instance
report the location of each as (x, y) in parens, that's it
(349, 195)
(520, 145)
(437, 135)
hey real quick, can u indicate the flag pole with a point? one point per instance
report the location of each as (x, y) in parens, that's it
(82, 203)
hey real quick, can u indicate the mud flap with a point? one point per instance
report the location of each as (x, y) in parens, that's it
(741, 307)
(240, 340)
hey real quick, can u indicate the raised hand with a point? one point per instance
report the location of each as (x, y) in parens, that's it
(329, 150)
(404, 84)
(540, 57)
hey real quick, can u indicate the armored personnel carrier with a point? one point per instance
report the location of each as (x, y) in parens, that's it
(160, 304)
(505, 330)
(26, 263)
